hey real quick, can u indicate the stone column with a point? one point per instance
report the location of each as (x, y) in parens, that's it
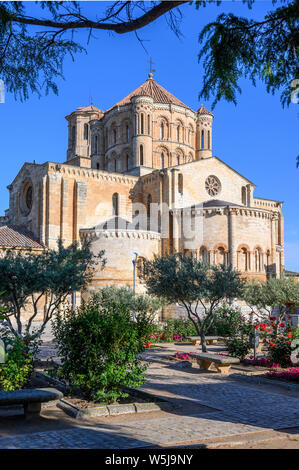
(232, 242)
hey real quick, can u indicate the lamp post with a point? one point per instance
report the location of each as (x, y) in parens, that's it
(134, 261)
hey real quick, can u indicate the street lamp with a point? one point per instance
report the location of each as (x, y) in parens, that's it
(134, 261)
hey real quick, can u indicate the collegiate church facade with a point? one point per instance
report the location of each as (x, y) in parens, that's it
(149, 150)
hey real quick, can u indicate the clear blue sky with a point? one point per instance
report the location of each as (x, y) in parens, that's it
(257, 137)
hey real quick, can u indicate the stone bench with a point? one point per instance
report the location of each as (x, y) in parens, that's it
(209, 339)
(31, 399)
(222, 363)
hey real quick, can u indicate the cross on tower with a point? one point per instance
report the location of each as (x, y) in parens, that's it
(151, 68)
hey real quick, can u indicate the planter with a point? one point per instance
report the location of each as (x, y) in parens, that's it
(78, 412)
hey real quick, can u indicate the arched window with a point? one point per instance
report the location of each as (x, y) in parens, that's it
(243, 195)
(209, 140)
(98, 166)
(114, 136)
(244, 259)
(142, 123)
(178, 133)
(204, 255)
(162, 130)
(221, 256)
(115, 204)
(202, 139)
(162, 160)
(141, 154)
(136, 124)
(85, 131)
(177, 160)
(180, 183)
(127, 133)
(148, 124)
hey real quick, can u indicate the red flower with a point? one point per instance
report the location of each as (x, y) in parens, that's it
(282, 325)
(289, 335)
(271, 344)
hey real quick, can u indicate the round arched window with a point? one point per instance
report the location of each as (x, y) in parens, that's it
(213, 185)
(28, 197)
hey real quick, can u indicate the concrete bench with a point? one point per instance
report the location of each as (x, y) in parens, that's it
(30, 398)
(209, 339)
(222, 363)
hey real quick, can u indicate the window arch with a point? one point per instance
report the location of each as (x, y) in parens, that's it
(221, 255)
(95, 144)
(127, 132)
(243, 264)
(204, 255)
(141, 123)
(202, 139)
(73, 137)
(141, 155)
(115, 204)
(243, 195)
(86, 131)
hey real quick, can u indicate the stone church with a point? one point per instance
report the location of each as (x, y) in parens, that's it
(148, 150)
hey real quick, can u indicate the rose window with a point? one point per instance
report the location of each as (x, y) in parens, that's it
(212, 185)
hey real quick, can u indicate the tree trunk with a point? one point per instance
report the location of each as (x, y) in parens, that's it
(203, 341)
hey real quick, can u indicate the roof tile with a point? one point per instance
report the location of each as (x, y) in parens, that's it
(17, 237)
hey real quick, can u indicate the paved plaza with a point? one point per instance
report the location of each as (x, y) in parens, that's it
(207, 406)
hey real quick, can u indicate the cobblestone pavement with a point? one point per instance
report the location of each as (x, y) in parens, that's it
(234, 408)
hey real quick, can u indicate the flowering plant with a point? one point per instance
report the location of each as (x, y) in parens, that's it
(291, 374)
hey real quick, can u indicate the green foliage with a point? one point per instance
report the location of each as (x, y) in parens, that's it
(238, 346)
(18, 366)
(265, 295)
(171, 330)
(280, 352)
(226, 321)
(99, 347)
(237, 47)
(125, 296)
(33, 48)
(24, 280)
(185, 280)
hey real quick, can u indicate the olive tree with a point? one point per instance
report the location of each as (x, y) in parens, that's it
(265, 295)
(192, 284)
(26, 279)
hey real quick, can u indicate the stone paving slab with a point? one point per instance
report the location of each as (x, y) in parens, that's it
(139, 433)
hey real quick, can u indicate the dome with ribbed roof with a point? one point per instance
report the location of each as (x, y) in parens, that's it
(152, 89)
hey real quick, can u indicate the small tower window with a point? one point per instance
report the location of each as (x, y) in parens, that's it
(85, 131)
(209, 140)
(202, 139)
(243, 194)
(73, 134)
(96, 144)
(141, 154)
(162, 160)
(115, 204)
(142, 123)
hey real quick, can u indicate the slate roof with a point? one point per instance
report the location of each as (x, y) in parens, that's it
(17, 237)
(151, 88)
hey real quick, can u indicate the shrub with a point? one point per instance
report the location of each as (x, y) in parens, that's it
(226, 321)
(99, 349)
(280, 351)
(238, 346)
(17, 369)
